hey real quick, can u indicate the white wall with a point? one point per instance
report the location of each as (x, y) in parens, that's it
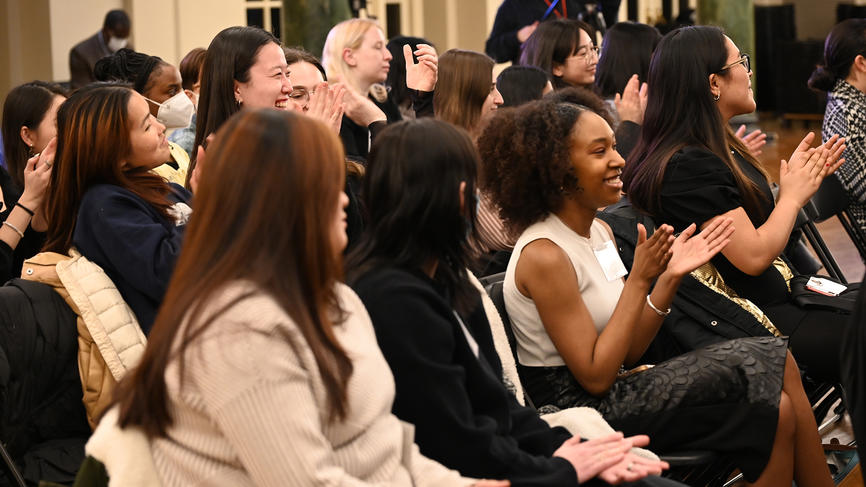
(71, 22)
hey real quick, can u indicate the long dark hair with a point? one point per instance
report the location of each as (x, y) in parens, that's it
(264, 213)
(413, 201)
(521, 84)
(625, 51)
(25, 106)
(93, 131)
(396, 81)
(680, 112)
(845, 42)
(551, 44)
(229, 58)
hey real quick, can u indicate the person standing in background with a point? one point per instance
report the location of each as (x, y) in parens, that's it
(516, 20)
(113, 37)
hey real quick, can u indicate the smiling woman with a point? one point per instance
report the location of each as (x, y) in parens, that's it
(106, 203)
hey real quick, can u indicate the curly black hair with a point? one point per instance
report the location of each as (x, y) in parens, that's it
(128, 66)
(525, 152)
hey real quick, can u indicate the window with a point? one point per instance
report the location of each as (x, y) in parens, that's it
(265, 14)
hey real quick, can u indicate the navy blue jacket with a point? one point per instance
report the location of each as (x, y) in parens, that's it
(135, 245)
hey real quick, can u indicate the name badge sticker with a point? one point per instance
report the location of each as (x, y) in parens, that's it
(608, 259)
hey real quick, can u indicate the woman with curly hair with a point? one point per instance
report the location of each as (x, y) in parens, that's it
(550, 165)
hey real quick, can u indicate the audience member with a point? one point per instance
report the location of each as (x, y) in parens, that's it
(190, 81)
(625, 51)
(398, 93)
(262, 368)
(410, 271)
(843, 77)
(159, 83)
(84, 55)
(105, 201)
(244, 67)
(516, 20)
(306, 74)
(356, 55)
(689, 168)
(564, 49)
(466, 96)
(29, 127)
(521, 84)
(578, 322)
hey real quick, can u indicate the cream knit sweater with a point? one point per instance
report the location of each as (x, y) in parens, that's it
(252, 407)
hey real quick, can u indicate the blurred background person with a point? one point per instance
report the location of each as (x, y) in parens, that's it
(83, 56)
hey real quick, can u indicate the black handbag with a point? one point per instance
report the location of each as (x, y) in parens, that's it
(809, 299)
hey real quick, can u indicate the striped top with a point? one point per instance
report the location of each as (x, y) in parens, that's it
(252, 408)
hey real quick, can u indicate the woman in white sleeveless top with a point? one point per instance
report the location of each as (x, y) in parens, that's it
(549, 166)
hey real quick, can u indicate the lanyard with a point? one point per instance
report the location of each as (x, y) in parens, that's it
(552, 5)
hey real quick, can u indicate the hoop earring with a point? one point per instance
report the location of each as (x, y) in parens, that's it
(717, 96)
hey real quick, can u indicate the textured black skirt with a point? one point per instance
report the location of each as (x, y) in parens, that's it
(723, 398)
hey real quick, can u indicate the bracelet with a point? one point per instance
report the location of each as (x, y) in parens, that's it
(658, 311)
(28, 210)
(13, 227)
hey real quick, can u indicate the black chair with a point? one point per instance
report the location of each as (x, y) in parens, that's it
(832, 200)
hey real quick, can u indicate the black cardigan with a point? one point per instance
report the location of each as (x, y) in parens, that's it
(464, 416)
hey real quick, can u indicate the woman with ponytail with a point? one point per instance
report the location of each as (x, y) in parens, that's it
(843, 77)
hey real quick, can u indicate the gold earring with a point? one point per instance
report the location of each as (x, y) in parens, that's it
(717, 96)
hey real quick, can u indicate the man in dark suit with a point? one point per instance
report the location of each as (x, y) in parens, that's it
(113, 36)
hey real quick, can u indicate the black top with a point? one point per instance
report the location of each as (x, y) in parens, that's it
(357, 139)
(464, 416)
(698, 186)
(12, 260)
(135, 245)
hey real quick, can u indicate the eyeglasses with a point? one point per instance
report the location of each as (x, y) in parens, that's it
(745, 60)
(300, 94)
(587, 52)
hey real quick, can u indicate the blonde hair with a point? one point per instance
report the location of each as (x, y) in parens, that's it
(348, 34)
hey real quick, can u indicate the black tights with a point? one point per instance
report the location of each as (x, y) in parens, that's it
(815, 337)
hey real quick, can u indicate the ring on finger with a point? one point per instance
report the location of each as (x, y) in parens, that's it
(630, 466)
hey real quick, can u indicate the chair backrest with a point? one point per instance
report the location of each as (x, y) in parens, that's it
(493, 286)
(830, 200)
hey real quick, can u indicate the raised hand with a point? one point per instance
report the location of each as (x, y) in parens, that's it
(690, 252)
(631, 105)
(37, 173)
(754, 141)
(801, 176)
(421, 76)
(526, 31)
(326, 104)
(651, 255)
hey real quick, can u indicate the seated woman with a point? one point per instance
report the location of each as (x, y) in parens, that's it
(160, 84)
(550, 166)
(699, 172)
(262, 369)
(410, 272)
(562, 48)
(522, 84)
(29, 127)
(106, 202)
(466, 96)
(843, 77)
(356, 55)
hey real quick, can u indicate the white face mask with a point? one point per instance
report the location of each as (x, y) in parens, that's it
(176, 112)
(115, 43)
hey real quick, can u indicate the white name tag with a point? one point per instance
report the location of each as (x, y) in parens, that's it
(608, 259)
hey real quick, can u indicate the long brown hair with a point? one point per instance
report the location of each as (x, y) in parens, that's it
(93, 135)
(465, 78)
(263, 215)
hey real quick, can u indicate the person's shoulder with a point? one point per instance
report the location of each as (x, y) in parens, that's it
(386, 280)
(87, 44)
(101, 193)
(694, 159)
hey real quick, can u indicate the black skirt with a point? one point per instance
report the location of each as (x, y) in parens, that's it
(723, 398)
